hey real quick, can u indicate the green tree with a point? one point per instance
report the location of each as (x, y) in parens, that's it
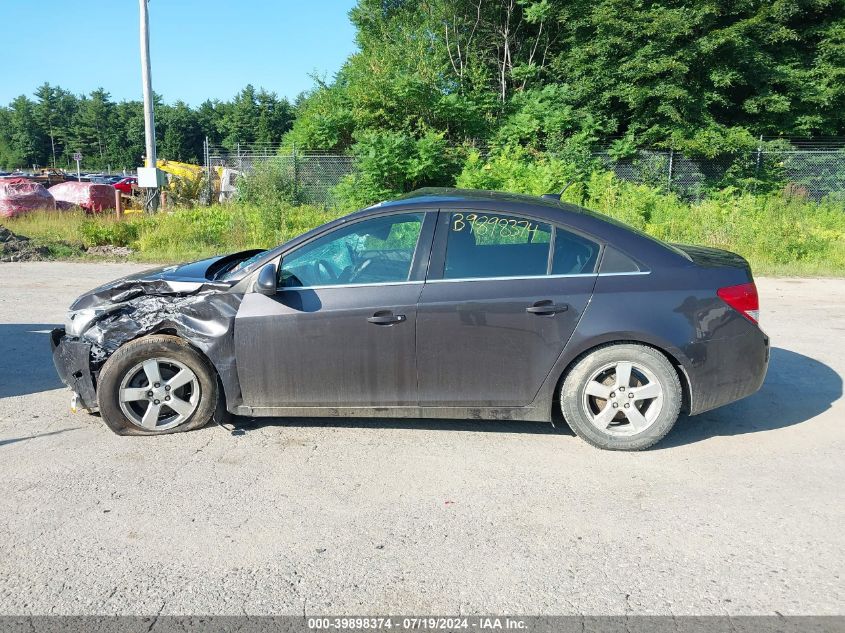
(325, 120)
(274, 117)
(8, 158)
(47, 116)
(208, 117)
(182, 136)
(126, 139)
(666, 71)
(708, 76)
(92, 127)
(27, 143)
(239, 122)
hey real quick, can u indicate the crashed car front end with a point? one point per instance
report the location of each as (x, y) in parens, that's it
(72, 358)
(187, 301)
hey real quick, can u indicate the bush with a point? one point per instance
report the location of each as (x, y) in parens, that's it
(268, 186)
(204, 231)
(392, 163)
(545, 119)
(518, 170)
(108, 231)
(776, 233)
(270, 181)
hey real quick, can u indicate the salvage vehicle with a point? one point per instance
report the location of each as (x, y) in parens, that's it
(124, 185)
(444, 303)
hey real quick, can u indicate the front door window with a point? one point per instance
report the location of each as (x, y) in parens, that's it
(379, 250)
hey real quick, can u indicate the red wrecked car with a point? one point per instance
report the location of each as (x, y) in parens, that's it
(93, 197)
(19, 195)
(125, 184)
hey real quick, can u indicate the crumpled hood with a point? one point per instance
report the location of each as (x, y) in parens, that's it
(177, 280)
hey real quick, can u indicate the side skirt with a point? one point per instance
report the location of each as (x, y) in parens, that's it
(528, 414)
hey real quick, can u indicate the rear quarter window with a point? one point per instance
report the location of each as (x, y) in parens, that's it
(573, 254)
(615, 261)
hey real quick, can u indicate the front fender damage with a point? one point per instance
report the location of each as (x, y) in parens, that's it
(201, 313)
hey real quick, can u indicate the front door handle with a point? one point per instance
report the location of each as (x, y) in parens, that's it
(386, 318)
(547, 308)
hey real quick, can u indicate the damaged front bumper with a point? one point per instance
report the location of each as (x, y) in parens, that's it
(72, 358)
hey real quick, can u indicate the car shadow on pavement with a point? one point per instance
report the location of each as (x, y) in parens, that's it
(15, 440)
(797, 388)
(26, 360)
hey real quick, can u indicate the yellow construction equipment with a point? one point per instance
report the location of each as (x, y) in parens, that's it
(187, 181)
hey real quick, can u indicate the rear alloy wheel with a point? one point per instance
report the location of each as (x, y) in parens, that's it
(622, 397)
(157, 384)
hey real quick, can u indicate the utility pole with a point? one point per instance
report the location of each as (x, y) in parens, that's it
(150, 178)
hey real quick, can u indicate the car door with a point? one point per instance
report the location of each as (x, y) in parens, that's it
(340, 331)
(502, 299)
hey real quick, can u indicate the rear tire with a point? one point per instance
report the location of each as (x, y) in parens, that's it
(623, 397)
(131, 403)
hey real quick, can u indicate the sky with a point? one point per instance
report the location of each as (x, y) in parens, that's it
(200, 49)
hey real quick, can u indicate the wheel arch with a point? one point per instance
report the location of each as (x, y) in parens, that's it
(675, 357)
(167, 329)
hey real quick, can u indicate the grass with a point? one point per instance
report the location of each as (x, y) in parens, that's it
(179, 235)
(778, 234)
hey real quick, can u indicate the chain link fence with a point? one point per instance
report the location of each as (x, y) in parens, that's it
(802, 170)
(312, 175)
(813, 174)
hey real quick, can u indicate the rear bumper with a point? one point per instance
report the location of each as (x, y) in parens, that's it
(726, 370)
(72, 359)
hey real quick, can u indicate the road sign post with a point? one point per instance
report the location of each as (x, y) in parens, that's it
(77, 156)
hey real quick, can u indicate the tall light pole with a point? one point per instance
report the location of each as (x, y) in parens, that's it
(151, 178)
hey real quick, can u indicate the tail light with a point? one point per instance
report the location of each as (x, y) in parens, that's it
(742, 298)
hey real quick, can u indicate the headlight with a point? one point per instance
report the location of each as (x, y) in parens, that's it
(78, 321)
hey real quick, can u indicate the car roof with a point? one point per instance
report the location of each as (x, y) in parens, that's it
(628, 238)
(547, 208)
(452, 196)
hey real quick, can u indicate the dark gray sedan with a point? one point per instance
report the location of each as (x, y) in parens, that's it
(441, 304)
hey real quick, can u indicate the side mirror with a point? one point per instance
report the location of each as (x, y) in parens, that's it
(267, 280)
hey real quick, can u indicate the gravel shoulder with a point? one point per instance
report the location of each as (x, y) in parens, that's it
(740, 511)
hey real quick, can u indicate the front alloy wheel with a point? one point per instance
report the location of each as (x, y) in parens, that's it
(157, 384)
(159, 394)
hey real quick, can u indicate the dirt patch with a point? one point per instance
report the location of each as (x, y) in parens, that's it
(18, 248)
(107, 250)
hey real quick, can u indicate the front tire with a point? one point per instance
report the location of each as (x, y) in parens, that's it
(623, 397)
(155, 385)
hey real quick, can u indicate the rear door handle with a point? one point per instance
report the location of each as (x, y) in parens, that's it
(547, 308)
(386, 318)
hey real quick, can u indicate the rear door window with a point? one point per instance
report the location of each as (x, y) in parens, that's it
(481, 245)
